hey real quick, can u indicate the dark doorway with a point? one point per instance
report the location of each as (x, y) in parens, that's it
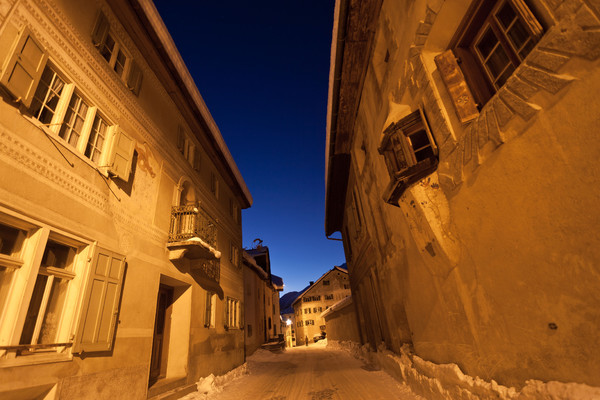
(160, 342)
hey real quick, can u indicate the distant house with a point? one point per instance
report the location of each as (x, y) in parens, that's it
(288, 317)
(318, 297)
(261, 299)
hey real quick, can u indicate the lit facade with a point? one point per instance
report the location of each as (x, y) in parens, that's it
(120, 209)
(462, 176)
(261, 293)
(318, 297)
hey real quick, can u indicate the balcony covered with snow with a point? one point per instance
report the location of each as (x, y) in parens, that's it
(192, 235)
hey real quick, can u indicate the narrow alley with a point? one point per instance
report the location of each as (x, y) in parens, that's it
(312, 373)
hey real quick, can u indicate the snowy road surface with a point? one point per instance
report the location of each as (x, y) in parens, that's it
(312, 373)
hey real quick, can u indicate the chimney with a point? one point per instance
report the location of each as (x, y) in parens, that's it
(312, 283)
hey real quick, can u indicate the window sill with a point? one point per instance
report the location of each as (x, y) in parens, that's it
(34, 359)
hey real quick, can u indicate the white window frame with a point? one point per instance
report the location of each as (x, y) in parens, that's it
(232, 313)
(58, 119)
(12, 318)
(210, 310)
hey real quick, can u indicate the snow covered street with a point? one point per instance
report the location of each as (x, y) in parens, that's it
(313, 373)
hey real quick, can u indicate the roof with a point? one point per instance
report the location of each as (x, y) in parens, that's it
(250, 262)
(345, 302)
(338, 268)
(277, 282)
(157, 32)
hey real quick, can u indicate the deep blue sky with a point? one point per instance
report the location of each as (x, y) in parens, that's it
(263, 69)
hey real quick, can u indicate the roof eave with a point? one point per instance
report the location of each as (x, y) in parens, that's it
(164, 41)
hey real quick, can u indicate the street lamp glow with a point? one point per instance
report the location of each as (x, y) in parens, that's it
(288, 322)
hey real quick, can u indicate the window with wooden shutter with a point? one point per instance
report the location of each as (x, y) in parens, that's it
(100, 31)
(493, 39)
(410, 154)
(101, 302)
(197, 160)
(121, 154)
(209, 311)
(180, 139)
(134, 80)
(24, 68)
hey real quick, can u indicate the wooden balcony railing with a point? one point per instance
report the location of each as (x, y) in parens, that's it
(191, 221)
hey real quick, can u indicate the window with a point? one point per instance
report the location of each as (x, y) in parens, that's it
(47, 96)
(63, 110)
(232, 313)
(493, 40)
(214, 184)
(309, 322)
(320, 309)
(38, 309)
(346, 286)
(249, 330)
(95, 144)
(234, 254)
(410, 153)
(49, 291)
(210, 310)
(116, 55)
(314, 309)
(234, 210)
(11, 244)
(325, 283)
(329, 297)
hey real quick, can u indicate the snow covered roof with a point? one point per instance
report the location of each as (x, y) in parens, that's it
(338, 268)
(345, 302)
(250, 262)
(277, 282)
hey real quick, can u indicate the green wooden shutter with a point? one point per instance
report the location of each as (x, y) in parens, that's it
(121, 154)
(24, 68)
(100, 30)
(101, 303)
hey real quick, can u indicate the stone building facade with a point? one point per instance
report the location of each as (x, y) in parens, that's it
(318, 297)
(120, 209)
(462, 175)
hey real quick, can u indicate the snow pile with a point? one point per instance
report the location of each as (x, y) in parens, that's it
(215, 384)
(448, 382)
(353, 348)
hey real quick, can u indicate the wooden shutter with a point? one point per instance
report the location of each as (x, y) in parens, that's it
(121, 154)
(100, 30)
(101, 302)
(197, 160)
(227, 305)
(134, 80)
(453, 78)
(208, 309)
(180, 139)
(24, 69)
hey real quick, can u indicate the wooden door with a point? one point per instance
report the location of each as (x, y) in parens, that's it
(165, 295)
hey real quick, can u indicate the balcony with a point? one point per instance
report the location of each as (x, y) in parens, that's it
(193, 235)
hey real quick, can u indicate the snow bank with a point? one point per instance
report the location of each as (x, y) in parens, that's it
(215, 384)
(448, 382)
